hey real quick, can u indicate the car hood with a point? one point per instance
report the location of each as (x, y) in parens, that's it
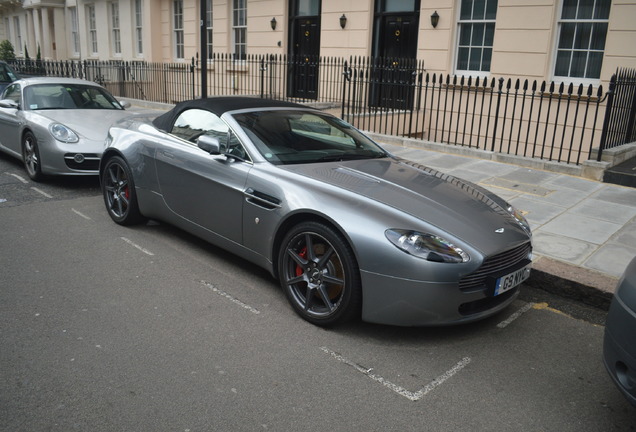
(92, 124)
(469, 212)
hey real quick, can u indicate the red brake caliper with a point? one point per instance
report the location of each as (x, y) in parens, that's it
(303, 255)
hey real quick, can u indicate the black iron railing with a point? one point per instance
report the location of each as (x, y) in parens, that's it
(561, 123)
(618, 126)
(539, 120)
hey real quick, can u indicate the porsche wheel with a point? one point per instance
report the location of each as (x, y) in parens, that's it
(319, 274)
(31, 157)
(118, 189)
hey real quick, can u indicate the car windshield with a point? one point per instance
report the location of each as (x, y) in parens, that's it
(68, 96)
(292, 137)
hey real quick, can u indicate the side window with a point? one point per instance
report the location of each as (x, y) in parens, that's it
(193, 123)
(13, 92)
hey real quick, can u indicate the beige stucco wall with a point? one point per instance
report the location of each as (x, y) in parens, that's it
(524, 44)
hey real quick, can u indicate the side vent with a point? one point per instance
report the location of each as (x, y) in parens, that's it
(261, 199)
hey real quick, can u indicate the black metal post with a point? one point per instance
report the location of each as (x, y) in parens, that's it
(204, 49)
(608, 115)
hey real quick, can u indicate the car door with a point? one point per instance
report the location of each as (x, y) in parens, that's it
(11, 120)
(204, 189)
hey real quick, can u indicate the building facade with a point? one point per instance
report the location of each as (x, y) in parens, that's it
(580, 41)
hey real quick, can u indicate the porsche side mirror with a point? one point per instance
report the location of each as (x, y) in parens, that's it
(8, 103)
(209, 144)
(124, 104)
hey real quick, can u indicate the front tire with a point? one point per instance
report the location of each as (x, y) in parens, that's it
(119, 193)
(31, 157)
(319, 274)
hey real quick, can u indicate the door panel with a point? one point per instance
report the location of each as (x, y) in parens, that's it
(204, 189)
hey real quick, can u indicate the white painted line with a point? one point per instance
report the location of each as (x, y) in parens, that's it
(413, 396)
(130, 242)
(23, 180)
(516, 315)
(81, 214)
(232, 299)
(42, 192)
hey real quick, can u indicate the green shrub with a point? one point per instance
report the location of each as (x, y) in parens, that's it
(6, 51)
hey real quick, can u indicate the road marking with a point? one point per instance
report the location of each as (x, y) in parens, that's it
(80, 214)
(516, 315)
(130, 242)
(232, 299)
(19, 178)
(413, 396)
(42, 192)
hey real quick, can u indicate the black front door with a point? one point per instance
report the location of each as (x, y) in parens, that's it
(395, 51)
(304, 48)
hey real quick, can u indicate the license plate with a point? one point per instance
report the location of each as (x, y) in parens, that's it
(511, 280)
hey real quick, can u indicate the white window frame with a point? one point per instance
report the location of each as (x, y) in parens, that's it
(138, 17)
(75, 35)
(91, 24)
(209, 29)
(239, 30)
(115, 29)
(7, 29)
(17, 34)
(178, 30)
(472, 22)
(560, 22)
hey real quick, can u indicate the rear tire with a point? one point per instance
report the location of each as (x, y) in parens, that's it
(320, 275)
(118, 188)
(31, 157)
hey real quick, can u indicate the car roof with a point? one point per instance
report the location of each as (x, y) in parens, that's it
(219, 106)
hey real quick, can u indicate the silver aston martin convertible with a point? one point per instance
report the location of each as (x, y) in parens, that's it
(348, 229)
(57, 125)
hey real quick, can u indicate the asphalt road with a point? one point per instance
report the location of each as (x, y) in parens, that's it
(107, 328)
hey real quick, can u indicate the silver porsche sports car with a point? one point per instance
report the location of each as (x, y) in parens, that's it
(57, 125)
(348, 229)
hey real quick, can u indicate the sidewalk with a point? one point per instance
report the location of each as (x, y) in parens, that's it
(584, 231)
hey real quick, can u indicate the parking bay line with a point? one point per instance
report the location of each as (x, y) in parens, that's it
(77, 212)
(130, 242)
(231, 298)
(23, 180)
(413, 396)
(516, 315)
(42, 192)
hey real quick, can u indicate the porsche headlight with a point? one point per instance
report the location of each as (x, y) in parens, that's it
(63, 133)
(520, 218)
(427, 246)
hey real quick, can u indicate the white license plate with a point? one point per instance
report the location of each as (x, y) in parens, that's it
(511, 280)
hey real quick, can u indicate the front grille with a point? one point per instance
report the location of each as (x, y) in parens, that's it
(495, 264)
(90, 163)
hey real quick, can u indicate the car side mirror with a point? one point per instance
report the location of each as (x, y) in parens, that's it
(124, 104)
(8, 103)
(209, 144)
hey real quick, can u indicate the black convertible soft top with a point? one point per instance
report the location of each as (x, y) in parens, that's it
(218, 106)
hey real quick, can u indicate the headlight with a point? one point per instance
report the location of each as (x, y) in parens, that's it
(63, 133)
(520, 218)
(427, 246)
